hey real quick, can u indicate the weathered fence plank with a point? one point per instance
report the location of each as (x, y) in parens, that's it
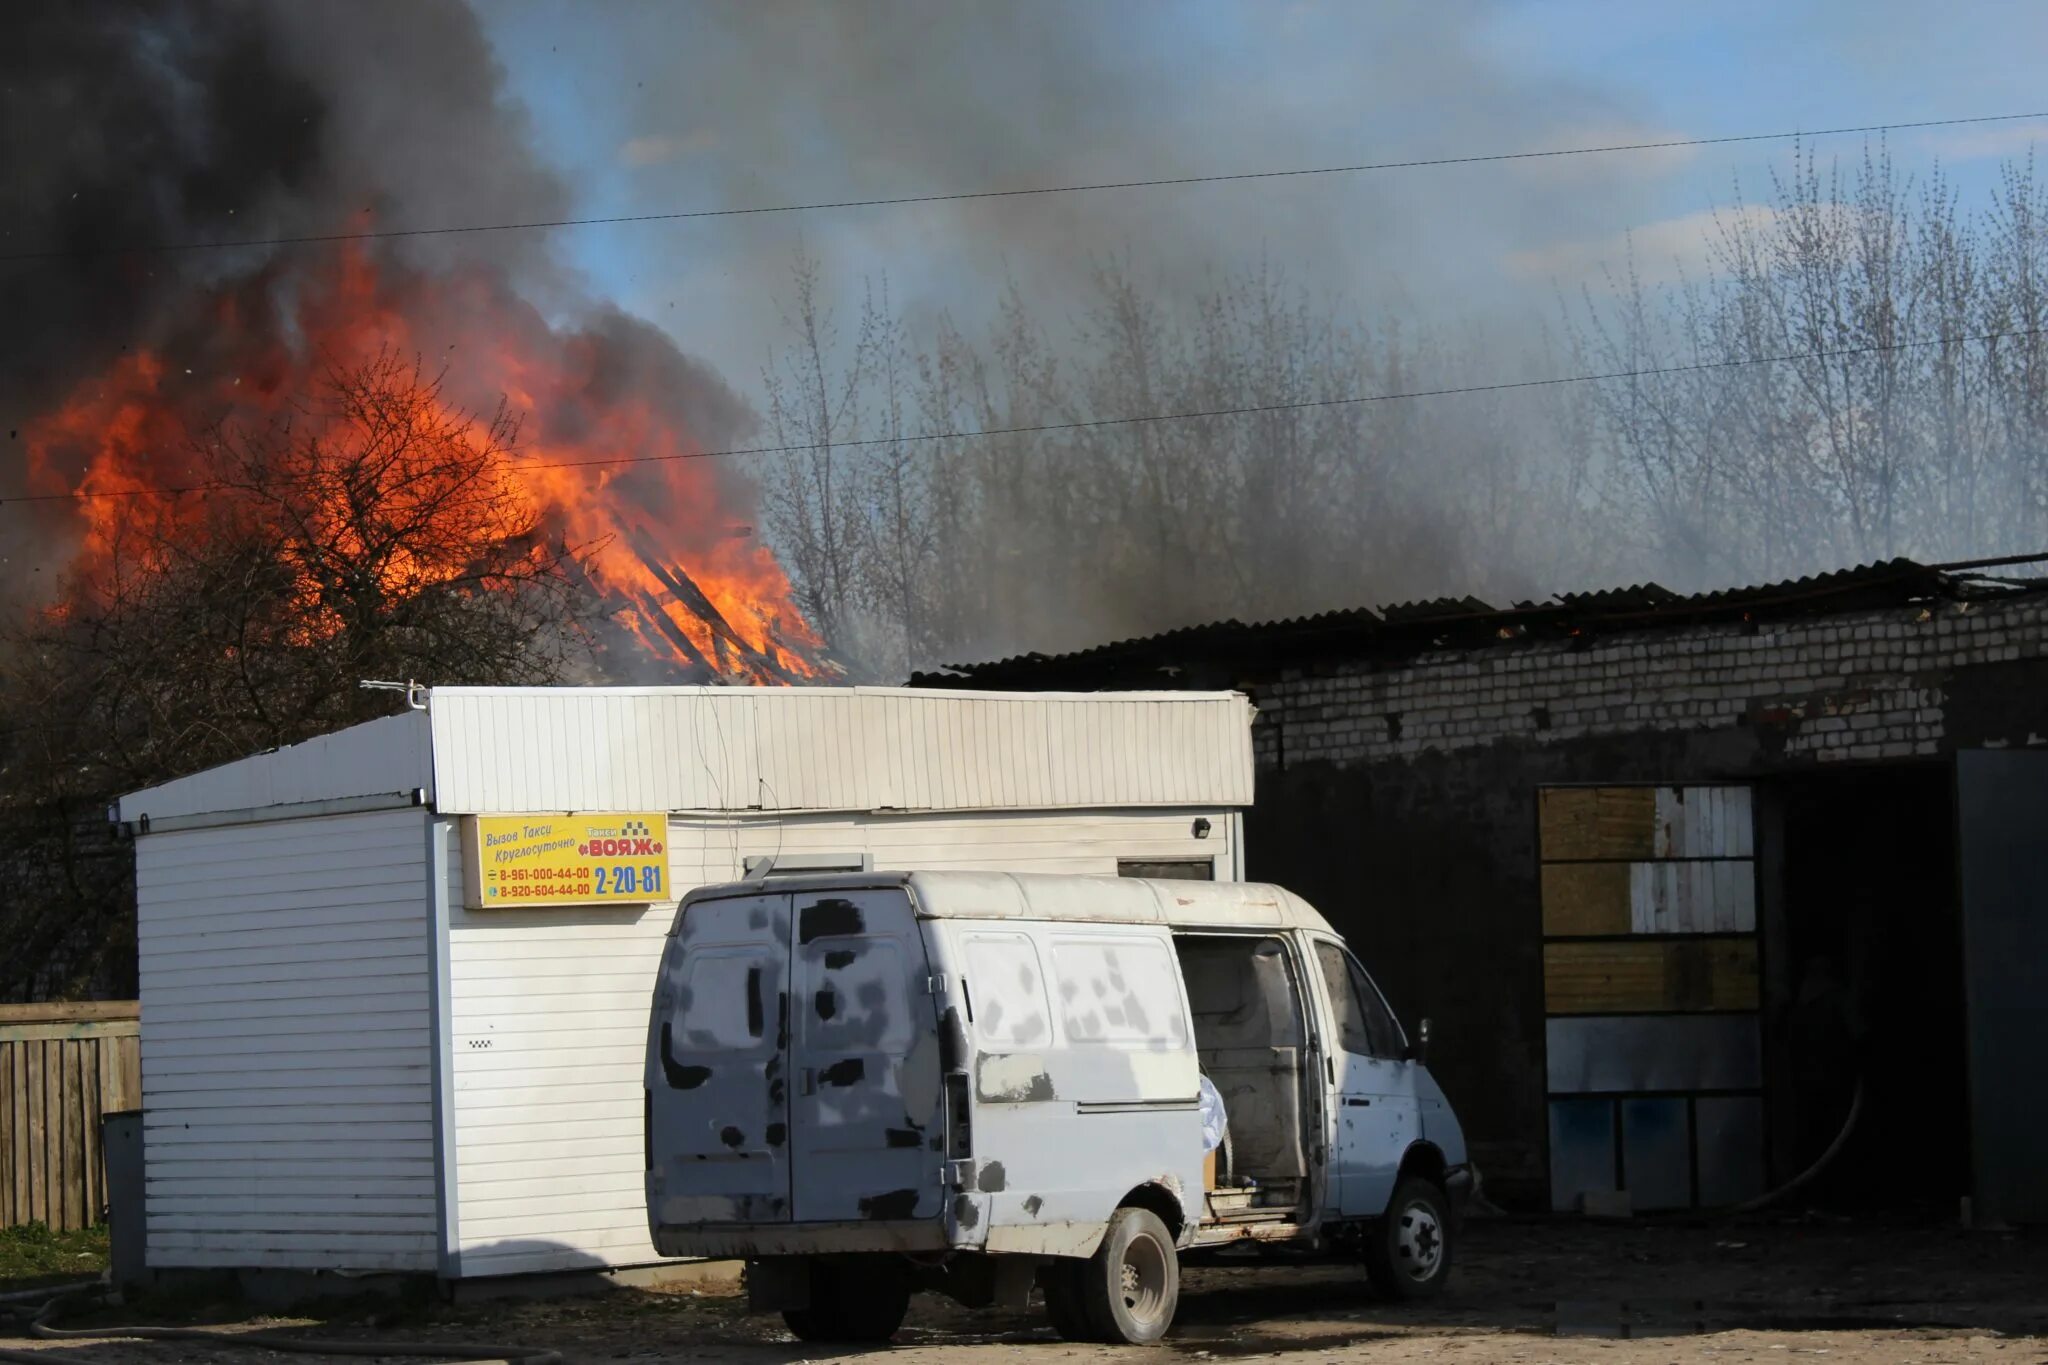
(62, 1068)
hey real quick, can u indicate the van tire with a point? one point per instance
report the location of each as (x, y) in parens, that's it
(1408, 1253)
(1061, 1281)
(1130, 1287)
(851, 1303)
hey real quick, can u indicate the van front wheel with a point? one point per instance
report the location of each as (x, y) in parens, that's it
(851, 1306)
(1408, 1256)
(1130, 1287)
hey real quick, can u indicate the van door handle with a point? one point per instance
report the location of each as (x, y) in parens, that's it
(807, 1081)
(1356, 1102)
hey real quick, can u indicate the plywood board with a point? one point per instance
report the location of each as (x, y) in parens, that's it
(1650, 976)
(1586, 898)
(1597, 822)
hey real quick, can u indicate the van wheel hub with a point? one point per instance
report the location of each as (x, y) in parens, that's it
(1141, 1279)
(1418, 1241)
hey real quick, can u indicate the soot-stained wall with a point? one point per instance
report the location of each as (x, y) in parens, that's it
(1401, 799)
(1399, 757)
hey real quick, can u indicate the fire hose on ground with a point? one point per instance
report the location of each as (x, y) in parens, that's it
(44, 1314)
(1821, 1163)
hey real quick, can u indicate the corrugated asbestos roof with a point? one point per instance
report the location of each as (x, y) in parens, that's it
(1449, 623)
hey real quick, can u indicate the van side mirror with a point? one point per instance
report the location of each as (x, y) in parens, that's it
(1418, 1048)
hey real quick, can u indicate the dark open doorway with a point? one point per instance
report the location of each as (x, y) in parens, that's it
(1865, 987)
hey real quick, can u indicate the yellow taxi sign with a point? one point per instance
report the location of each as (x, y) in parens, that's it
(614, 858)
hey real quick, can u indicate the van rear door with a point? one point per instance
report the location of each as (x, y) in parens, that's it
(865, 1117)
(795, 1073)
(718, 1102)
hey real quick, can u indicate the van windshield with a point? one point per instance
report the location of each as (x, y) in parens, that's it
(1365, 1025)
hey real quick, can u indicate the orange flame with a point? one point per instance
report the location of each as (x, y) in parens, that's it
(607, 457)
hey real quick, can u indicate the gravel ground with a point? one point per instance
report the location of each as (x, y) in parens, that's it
(1523, 1292)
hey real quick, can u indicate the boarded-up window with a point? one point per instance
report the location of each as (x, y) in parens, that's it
(1007, 986)
(727, 997)
(1650, 983)
(1119, 990)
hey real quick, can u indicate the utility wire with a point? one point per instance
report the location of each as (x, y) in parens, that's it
(382, 234)
(1191, 415)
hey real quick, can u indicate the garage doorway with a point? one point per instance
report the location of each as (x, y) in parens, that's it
(1865, 989)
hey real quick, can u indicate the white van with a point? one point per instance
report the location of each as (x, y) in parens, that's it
(868, 1084)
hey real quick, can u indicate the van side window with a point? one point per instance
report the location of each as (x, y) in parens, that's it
(1364, 1023)
(1120, 991)
(1008, 989)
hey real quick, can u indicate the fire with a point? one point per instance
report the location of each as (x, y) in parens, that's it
(606, 458)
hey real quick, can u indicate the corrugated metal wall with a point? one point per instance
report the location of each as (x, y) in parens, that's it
(841, 749)
(286, 1065)
(1650, 987)
(550, 1013)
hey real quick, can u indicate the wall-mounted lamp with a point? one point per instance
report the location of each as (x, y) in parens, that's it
(1201, 826)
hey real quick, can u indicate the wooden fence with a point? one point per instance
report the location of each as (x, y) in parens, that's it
(61, 1067)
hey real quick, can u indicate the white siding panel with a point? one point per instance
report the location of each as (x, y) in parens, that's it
(550, 1006)
(1716, 896)
(1704, 822)
(377, 758)
(835, 749)
(286, 1057)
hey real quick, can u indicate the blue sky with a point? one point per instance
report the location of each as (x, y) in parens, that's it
(649, 107)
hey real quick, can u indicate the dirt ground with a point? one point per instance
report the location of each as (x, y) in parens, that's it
(1523, 1293)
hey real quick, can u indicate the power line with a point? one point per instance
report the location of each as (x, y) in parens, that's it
(540, 225)
(1191, 415)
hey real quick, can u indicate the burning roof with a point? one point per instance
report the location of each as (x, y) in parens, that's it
(605, 463)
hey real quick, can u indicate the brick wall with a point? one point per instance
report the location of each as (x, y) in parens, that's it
(1867, 686)
(1400, 798)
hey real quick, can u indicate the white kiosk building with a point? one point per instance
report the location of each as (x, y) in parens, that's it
(395, 980)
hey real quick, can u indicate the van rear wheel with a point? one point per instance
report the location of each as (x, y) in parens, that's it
(1130, 1287)
(853, 1303)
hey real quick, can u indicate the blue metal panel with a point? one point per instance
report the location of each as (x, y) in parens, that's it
(1731, 1149)
(1653, 1052)
(1581, 1150)
(2001, 808)
(1656, 1154)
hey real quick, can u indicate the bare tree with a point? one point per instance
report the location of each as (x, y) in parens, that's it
(815, 395)
(1873, 381)
(1068, 524)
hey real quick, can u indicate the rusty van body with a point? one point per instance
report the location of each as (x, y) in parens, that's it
(871, 1083)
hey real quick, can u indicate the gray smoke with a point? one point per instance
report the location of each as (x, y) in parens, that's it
(131, 128)
(1436, 277)
(789, 101)
(135, 125)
